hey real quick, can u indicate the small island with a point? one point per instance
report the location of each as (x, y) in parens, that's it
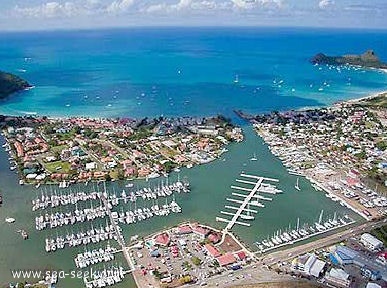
(10, 83)
(367, 60)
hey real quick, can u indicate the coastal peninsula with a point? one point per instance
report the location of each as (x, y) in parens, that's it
(10, 83)
(341, 149)
(69, 150)
(366, 60)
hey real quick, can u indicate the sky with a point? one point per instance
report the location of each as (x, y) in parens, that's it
(78, 14)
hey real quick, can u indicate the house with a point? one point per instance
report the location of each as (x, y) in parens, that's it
(370, 242)
(226, 259)
(162, 239)
(184, 229)
(214, 238)
(91, 166)
(201, 231)
(212, 251)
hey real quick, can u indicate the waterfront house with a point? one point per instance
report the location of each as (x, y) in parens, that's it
(201, 231)
(162, 239)
(184, 229)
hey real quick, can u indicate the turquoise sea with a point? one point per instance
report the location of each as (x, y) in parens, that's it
(183, 71)
(176, 71)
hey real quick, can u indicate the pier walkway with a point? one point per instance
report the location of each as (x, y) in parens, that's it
(246, 202)
(120, 237)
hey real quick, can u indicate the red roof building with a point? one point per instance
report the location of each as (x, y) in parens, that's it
(162, 239)
(214, 238)
(201, 231)
(211, 250)
(241, 255)
(184, 229)
(226, 259)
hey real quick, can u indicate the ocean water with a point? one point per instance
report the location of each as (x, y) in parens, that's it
(135, 73)
(183, 71)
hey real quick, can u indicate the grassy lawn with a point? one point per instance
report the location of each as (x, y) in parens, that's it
(167, 152)
(58, 148)
(52, 167)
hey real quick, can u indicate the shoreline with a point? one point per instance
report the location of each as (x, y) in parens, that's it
(368, 97)
(79, 149)
(314, 174)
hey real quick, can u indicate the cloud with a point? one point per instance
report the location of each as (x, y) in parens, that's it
(120, 6)
(325, 4)
(221, 5)
(185, 5)
(253, 4)
(60, 9)
(48, 10)
(57, 9)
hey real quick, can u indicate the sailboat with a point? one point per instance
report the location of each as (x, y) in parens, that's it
(247, 216)
(296, 186)
(254, 158)
(236, 80)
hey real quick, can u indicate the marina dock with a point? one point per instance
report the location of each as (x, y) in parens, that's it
(246, 200)
(292, 236)
(120, 237)
(70, 207)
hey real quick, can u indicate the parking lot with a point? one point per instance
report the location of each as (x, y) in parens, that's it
(183, 260)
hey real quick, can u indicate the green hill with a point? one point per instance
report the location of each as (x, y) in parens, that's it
(368, 60)
(10, 83)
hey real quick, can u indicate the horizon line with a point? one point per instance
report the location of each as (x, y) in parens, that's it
(191, 26)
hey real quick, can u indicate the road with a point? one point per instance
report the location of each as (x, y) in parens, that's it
(286, 255)
(260, 273)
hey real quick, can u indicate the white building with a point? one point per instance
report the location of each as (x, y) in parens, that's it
(338, 278)
(91, 166)
(310, 265)
(370, 242)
